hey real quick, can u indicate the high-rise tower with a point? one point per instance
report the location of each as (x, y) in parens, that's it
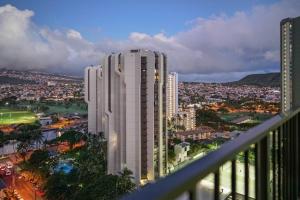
(290, 63)
(172, 94)
(132, 109)
(93, 84)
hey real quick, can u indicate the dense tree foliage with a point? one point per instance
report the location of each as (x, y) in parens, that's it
(88, 179)
(208, 117)
(27, 135)
(71, 136)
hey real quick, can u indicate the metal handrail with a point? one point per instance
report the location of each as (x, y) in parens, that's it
(186, 178)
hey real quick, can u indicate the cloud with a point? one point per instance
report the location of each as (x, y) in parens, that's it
(221, 46)
(243, 42)
(24, 45)
(73, 34)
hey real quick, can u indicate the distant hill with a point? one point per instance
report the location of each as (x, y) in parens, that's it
(269, 79)
(12, 76)
(14, 81)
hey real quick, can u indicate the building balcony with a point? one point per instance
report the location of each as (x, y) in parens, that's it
(262, 163)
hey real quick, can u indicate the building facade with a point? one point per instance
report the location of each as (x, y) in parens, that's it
(201, 133)
(172, 94)
(92, 94)
(186, 118)
(181, 152)
(290, 63)
(132, 112)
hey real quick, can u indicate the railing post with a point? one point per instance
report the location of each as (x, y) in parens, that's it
(274, 162)
(295, 157)
(193, 193)
(279, 160)
(262, 169)
(298, 133)
(297, 154)
(217, 185)
(233, 179)
(285, 163)
(246, 161)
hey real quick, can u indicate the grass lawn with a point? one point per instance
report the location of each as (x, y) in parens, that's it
(256, 117)
(230, 116)
(63, 110)
(8, 117)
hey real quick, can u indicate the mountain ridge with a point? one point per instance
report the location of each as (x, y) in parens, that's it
(269, 79)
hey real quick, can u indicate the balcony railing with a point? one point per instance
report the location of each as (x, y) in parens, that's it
(270, 151)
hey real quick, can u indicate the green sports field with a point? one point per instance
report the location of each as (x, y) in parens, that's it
(8, 117)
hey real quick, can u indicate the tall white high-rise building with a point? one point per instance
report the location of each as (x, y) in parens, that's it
(172, 94)
(187, 118)
(132, 107)
(290, 63)
(93, 83)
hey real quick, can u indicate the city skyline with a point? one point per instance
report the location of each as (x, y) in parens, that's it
(192, 99)
(193, 41)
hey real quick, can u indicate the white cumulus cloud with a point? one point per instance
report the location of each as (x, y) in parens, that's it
(24, 45)
(219, 46)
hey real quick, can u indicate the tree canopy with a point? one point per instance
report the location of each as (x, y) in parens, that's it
(88, 179)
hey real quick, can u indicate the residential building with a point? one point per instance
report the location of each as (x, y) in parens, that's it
(172, 94)
(201, 133)
(290, 63)
(51, 83)
(187, 118)
(132, 111)
(92, 86)
(44, 121)
(181, 151)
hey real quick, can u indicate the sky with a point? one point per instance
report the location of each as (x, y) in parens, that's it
(206, 41)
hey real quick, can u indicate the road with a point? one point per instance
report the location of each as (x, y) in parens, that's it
(26, 190)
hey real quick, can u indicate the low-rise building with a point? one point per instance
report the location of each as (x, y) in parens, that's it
(242, 120)
(228, 134)
(181, 151)
(201, 133)
(44, 121)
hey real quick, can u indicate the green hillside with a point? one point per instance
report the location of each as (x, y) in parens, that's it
(269, 79)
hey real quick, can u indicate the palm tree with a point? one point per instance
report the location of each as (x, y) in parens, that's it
(22, 149)
(37, 137)
(2, 141)
(124, 183)
(72, 137)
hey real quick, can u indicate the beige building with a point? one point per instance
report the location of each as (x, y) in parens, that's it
(181, 152)
(187, 118)
(131, 111)
(92, 85)
(201, 133)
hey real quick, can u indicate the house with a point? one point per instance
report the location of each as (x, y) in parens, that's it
(201, 133)
(44, 121)
(241, 120)
(181, 151)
